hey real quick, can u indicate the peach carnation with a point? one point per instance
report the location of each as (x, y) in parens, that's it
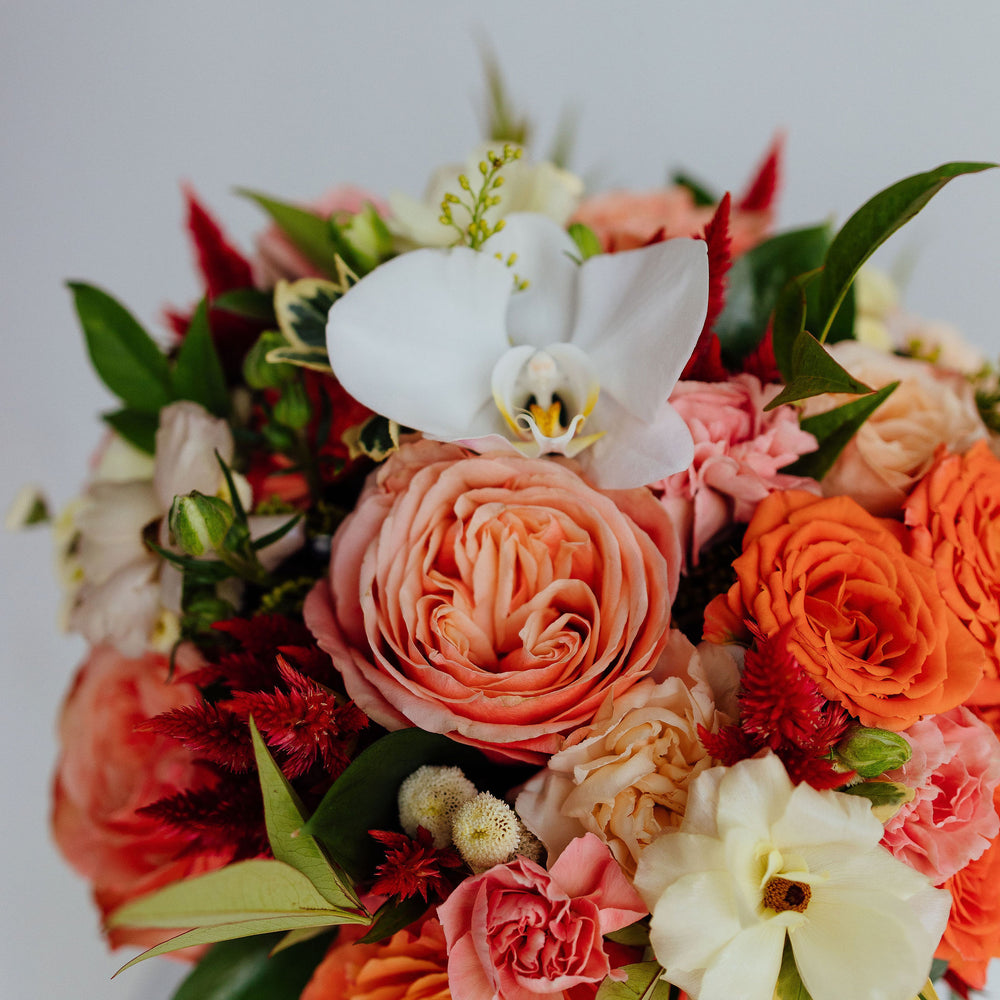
(625, 776)
(739, 451)
(494, 598)
(896, 445)
(954, 517)
(954, 771)
(865, 619)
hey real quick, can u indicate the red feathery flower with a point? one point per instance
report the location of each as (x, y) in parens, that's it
(759, 196)
(222, 267)
(413, 866)
(211, 730)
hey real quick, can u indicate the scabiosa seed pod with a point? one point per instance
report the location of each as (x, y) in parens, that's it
(430, 798)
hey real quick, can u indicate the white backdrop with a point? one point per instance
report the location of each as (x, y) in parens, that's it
(106, 106)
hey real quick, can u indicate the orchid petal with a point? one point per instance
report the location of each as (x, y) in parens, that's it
(543, 312)
(416, 340)
(639, 315)
(635, 452)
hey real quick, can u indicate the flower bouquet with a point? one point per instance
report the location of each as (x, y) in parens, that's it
(528, 593)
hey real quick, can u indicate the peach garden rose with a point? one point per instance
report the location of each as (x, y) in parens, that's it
(494, 598)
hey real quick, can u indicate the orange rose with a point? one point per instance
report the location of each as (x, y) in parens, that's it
(866, 619)
(405, 967)
(954, 514)
(972, 936)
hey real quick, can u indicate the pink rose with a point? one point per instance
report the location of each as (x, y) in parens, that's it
(494, 598)
(954, 769)
(519, 932)
(107, 770)
(624, 220)
(739, 451)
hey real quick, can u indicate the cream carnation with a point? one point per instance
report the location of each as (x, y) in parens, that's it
(625, 777)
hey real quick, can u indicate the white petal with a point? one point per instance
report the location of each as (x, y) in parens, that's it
(634, 452)
(416, 340)
(672, 856)
(543, 313)
(748, 966)
(753, 795)
(639, 315)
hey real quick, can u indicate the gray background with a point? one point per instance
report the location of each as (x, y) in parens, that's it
(106, 107)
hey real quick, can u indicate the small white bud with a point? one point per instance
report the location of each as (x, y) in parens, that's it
(429, 798)
(486, 832)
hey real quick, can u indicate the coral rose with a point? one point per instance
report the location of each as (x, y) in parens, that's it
(972, 936)
(625, 776)
(954, 770)
(865, 619)
(739, 451)
(108, 770)
(519, 932)
(954, 517)
(895, 446)
(408, 966)
(494, 598)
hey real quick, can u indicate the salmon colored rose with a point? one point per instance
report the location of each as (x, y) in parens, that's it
(866, 620)
(519, 932)
(494, 598)
(108, 770)
(407, 966)
(954, 517)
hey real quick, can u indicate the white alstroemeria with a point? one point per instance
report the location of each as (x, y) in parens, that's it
(539, 187)
(757, 859)
(521, 346)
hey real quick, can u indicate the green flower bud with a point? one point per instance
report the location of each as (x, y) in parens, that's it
(871, 752)
(200, 523)
(260, 373)
(293, 409)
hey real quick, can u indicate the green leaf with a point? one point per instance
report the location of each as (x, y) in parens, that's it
(815, 372)
(872, 224)
(635, 935)
(292, 938)
(250, 303)
(198, 373)
(755, 282)
(881, 793)
(314, 358)
(126, 358)
(302, 308)
(790, 320)
(285, 818)
(363, 798)
(643, 983)
(136, 427)
(393, 916)
(252, 969)
(703, 197)
(377, 437)
(789, 985)
(586, 240)
(833, 430)
(273, 536)
(309, 233)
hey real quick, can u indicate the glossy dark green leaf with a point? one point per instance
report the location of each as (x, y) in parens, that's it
(363, 798)
(250, 303)
(701, 194)
(378, 437)
(126, 358)
(872, 224)
(393, 916)
(790, 320)
(198, 373)
(302, 308)
(138, 428)
(815, 372)
(755, 281)
(834, 429)
(245, 969)
(308, 232)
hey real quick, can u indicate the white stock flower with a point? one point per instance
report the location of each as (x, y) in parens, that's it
(579, 363)
(758, 858)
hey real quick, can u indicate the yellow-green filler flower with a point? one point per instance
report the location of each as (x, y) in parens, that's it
(758, 859)
(520, 345)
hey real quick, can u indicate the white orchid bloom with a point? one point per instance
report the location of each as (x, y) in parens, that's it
(520, 346)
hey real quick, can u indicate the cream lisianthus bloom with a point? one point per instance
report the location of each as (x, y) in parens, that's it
(520, 346)
(757, 859)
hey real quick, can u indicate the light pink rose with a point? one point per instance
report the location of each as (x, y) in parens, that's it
(896, 444)
(519, 932)
(624, 220)
(739, 451)
(494, 598)
(625, 776)
(278, 259)
(108, 770)
(954, 769)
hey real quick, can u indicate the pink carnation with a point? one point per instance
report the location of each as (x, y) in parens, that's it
(519, 932)
(739, 451)
(954, 769)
